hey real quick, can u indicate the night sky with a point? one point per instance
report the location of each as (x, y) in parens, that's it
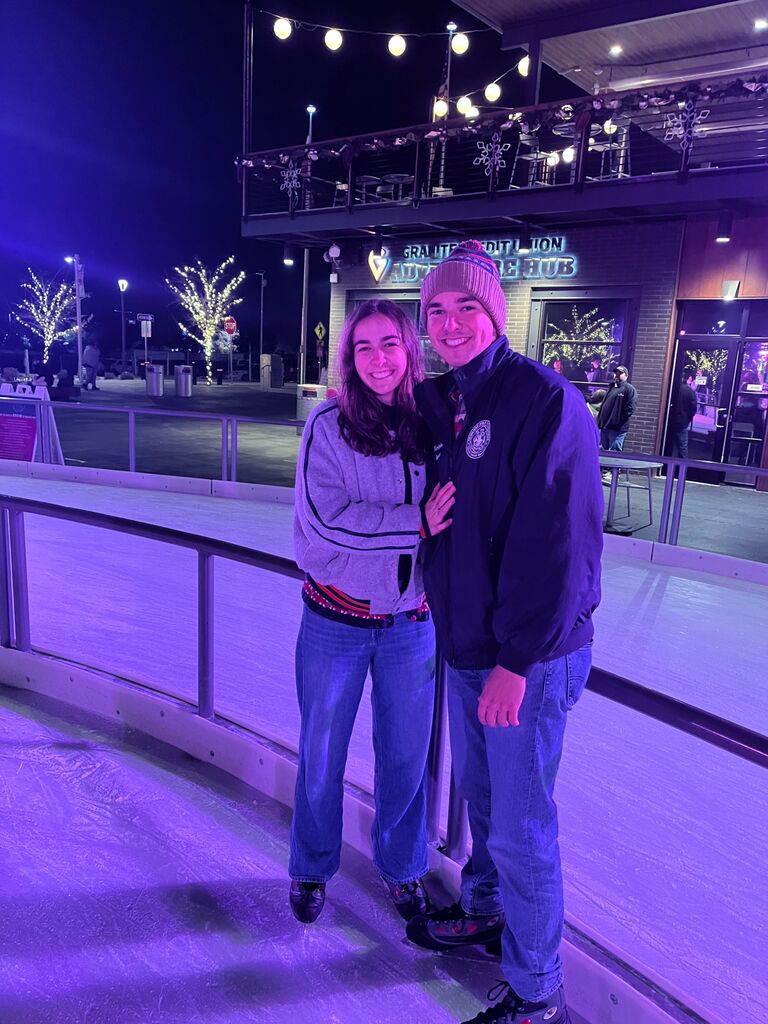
(120, 125)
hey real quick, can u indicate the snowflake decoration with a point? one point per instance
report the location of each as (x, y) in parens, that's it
(684, 126)
(290, 176)
(491, 155)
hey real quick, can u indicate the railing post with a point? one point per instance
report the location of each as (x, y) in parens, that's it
(224, 446)
(458, 825)
(351, 182)
(416, 197)
(20, 589)
(205, 624)
(674, 527)
(436, 754)
(233, 452)
(666, 504)
(583, 124)
(131, 441)
(5, 581)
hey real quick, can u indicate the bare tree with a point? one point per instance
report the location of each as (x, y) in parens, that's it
(47, 309)
(206, 299)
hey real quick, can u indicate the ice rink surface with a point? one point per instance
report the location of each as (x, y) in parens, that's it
(664, 838)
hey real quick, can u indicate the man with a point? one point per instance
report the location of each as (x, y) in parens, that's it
(682, 417)
(91, 361)
(618, 407)
(512, 585)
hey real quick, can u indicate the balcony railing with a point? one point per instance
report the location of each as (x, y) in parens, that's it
(681, 130)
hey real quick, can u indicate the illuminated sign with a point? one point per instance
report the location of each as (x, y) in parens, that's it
(547, 260)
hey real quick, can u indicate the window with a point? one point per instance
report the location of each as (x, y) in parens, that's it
(584, 340)
(712, 318)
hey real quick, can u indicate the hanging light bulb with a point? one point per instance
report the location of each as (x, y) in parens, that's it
(569, 155)
(396, 46)
(609, 127)
(333, 39)
(524, 66)
(473, 112)
(492, 92)
(553, 160)
(459, 43)
(440, 108)
(463, 104)
(282, 28)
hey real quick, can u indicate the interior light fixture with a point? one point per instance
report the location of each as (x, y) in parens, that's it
(724, 227)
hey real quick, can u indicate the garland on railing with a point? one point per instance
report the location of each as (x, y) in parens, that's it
(527, 122)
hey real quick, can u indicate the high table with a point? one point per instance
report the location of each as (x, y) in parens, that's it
(615, 467)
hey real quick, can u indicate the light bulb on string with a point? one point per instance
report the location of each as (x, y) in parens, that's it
(396, 46)
(553, 160)
(440, 108)
(333, 39)
(609, 127)
(463, 104)
(569, 155)
(472, 113)
(492, 92)
(282, 28)
(524, 66)
(459, 43)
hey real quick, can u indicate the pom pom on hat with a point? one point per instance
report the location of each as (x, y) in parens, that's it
(469, 269)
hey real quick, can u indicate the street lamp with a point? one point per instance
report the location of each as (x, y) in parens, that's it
(122, 284)
(263, 280)
(79, 292)
(311, 111)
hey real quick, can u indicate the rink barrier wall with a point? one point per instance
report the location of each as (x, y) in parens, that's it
(148, 709)
(644, 550)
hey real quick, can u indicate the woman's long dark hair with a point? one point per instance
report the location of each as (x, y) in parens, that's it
(361, 422)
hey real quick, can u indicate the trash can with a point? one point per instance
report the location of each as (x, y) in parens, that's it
(182, 376)
(154, 380)
(308, 397)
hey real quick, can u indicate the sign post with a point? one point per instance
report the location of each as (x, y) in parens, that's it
(145, 319)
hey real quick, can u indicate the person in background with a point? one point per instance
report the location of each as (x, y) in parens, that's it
(358, 531)
(595, 400)
(682, 417)
(618, 407)
(91, 363)
(512, 585)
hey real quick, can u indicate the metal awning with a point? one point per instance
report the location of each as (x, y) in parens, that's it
(660, 39)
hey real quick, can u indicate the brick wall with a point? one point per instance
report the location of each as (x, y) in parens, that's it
(643, 258)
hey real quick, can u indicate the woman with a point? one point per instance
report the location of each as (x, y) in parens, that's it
(357, 532)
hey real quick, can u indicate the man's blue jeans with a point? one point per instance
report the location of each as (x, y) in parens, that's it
(332, 661)
(507, 776)
(612, 440)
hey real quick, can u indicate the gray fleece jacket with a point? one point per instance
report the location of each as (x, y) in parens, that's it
(356, 515)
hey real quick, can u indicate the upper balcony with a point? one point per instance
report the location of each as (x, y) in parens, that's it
(688, 147)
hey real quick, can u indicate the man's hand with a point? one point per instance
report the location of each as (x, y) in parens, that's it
(501, 698)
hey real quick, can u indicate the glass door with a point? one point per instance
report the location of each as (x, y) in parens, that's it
(700, 400)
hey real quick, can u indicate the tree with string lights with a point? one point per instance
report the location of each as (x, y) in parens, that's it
(207, 299)
(47, 310)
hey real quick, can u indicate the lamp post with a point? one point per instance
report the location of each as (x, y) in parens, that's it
(263, 281)
(122, 284)
(311, 110)
(79, 292)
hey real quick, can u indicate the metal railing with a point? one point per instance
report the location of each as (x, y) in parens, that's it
(229, 424)
(678, 130)
(15, 632)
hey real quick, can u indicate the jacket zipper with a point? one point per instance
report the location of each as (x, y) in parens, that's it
(408, 501)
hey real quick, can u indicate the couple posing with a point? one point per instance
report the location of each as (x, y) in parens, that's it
(481, 487)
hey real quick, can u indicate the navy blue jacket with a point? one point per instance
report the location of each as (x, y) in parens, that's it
(515, 579)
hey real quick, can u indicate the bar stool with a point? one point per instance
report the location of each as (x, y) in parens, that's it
(398, 183)
(341, 193)
(364, 182)
(538, 173)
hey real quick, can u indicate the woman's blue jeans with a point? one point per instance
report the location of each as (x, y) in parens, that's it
(332, 661)
(507, 776)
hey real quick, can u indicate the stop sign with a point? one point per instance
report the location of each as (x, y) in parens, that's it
(230, 324)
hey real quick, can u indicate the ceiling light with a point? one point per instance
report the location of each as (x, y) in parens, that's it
(616, 50)
(761, 24)
(288, 255)
(524, 244)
